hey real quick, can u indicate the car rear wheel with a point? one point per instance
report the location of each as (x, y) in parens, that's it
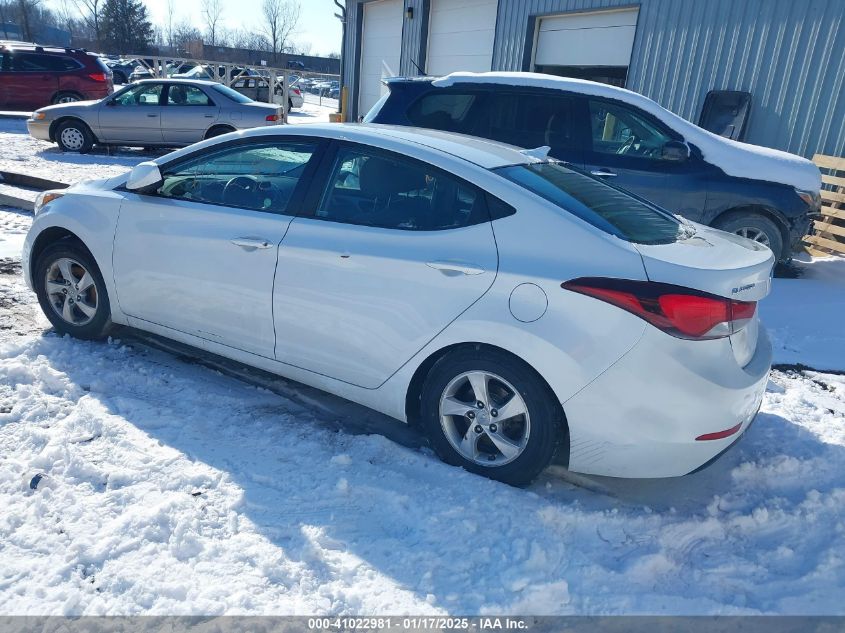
(755, 227)
(492, 414)
(74, 136)
(67, 97)
(71, 291)
(218, 131)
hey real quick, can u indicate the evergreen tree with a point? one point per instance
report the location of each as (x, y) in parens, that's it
(125, 26)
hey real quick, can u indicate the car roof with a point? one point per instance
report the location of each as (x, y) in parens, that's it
(482, 152)
(177, 80)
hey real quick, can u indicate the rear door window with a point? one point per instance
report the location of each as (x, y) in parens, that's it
(38, 62)
(605, 207)
(385, 190)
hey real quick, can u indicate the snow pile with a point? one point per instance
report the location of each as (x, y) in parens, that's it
(804, 316)
(734, 158)
(170, 488)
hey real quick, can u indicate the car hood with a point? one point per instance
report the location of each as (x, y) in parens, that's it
(69, 108)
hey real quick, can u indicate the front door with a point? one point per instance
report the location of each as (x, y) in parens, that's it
(199, 254)
(627, 151)
(132, 116)
(395, 250)
(187, 114)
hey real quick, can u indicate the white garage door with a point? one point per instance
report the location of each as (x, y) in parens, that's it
(460, 35)
(599, 38)
(381, 48)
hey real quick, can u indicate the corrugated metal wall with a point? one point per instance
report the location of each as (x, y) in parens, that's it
(790, 54)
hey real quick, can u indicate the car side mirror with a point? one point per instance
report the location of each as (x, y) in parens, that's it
(675, 151)
(144, 177)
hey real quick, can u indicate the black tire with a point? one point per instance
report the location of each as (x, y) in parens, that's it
(100, 322)
(73, 135)
(219, 131)
(544, 413)
(749, 223)
(66, 97)
(290, 105)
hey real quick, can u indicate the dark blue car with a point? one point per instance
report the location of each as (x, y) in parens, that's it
(762, 194)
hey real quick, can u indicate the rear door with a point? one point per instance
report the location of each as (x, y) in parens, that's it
(393, 251)
(187, 113)
(133, 116)
(527, 119)
(30, 84)
(626, 146)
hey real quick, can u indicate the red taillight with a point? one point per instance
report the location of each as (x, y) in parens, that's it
(681, 312)
(97, 76)
(271, 117)
(296, 90)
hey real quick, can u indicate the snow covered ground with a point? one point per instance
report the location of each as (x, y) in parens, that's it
(176, 486)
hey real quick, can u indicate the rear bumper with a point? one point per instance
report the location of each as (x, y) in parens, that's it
(39, 129)
(640, 418)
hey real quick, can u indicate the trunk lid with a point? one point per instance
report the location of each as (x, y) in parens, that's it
(720, 263)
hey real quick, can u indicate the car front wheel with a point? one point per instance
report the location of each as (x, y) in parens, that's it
(492, 414)
(74, 136)
(71, 291)
(755, 227)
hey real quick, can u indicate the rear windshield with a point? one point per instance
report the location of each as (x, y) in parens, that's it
(603, 206)
(234, 95)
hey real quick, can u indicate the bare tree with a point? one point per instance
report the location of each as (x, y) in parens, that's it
(91, 11)
(183, 33)
(212, 11)
(280, 20)
(168, 28)
(28, 16)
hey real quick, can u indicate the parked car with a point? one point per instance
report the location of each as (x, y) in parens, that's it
(216, 74)
(509, 305)
(142, 71)
(33, 76)
(760, 193)
(150, 113)
(257, 88)
(121, 69)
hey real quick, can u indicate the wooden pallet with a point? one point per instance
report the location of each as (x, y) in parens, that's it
(828, 236)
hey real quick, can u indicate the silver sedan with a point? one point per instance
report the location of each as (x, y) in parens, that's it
(150, 113)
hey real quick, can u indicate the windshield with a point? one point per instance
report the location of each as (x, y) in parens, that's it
(605, 207)
(234, 95)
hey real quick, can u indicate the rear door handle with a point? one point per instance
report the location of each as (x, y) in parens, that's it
(455, 268)
(152, 116)
(603, 173)
(251, 243)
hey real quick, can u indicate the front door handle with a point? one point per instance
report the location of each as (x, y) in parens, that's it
(251, 243)
(455, 268)
(152, 116)
(603, 173)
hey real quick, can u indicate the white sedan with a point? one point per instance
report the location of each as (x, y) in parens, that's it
(513, 308)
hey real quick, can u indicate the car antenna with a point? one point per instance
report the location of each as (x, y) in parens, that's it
(537, 152)
(422, 72)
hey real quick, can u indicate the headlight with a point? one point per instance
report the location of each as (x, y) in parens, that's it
(44, 198)
(811, 198)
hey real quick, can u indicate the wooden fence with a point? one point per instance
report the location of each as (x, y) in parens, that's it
(828, 236)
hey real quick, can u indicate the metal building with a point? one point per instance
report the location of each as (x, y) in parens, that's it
(788, 54)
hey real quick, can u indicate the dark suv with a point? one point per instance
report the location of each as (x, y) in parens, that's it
(624, 138)
(32, 76)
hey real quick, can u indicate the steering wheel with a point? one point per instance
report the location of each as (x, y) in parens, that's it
(240, 190)
(627, 145)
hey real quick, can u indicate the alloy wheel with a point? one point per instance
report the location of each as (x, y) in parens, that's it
(71, 291)
(484, 418)
(67, 99)
(755, 235)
